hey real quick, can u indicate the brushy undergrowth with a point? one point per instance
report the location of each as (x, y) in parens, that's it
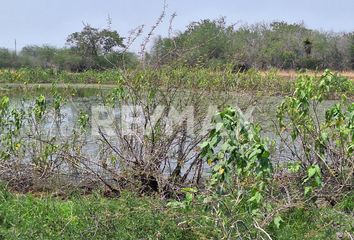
(133, 217)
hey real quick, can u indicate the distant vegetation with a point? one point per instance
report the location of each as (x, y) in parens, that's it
(91, 48)
(207, 43)
(262, 46)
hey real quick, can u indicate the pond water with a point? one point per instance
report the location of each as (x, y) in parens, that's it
(82, 98)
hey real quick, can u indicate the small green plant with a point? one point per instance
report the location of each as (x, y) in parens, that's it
(237, 153)
(83, 121)
(187, 203)
(241, 171)
(40, 107)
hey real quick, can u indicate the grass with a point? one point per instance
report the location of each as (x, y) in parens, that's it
(86, 217)
(315, 223)
(134, 217)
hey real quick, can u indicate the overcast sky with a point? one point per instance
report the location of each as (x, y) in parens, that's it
(51, 21)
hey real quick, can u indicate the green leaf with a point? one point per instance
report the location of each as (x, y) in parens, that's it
(294, 134)
(189, 190)
(307, 191)
(277, 221)
(4, 102)
(294, 167)
(204, 144)
(218, 126)
(257, 197)
(313, 170)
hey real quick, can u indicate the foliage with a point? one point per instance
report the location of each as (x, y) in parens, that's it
(91, 48)
(268, 83)
(237, 154)
(247, 194)
(211, 43)
(323, 148)
(241, 169)
(202, 42)
(207, 43)
(27, 143)
(351, 39)
(7, 58)
(91, 42)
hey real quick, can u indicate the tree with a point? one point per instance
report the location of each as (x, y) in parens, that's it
(66, 59)
(91, 43)
(203, 43)
(207, 41)
(38, 56)
(6, 58)
(352, 50)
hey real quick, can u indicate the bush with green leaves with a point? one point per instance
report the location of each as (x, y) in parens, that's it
(321, 143)
(33, 144)
(240, 173)
(237, 154)
(242, 191)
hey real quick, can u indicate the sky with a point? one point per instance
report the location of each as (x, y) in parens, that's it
(51, 21)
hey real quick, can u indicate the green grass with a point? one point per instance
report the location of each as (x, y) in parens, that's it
(90, 217)
(134, 217)
(305, 223)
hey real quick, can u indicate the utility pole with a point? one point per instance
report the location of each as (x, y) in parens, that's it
(15, 47)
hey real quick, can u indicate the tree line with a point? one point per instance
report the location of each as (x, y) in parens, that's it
(262, 46)
(91, 48)
(207, 43)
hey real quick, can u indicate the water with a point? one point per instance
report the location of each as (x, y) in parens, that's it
(82, 98)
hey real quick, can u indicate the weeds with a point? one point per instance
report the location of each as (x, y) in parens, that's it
(222, 79)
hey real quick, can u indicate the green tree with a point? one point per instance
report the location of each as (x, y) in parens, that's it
(351, 49)
(38, 56)
(6, 58)
(202, 43)
(91, 43)
(66, 59)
